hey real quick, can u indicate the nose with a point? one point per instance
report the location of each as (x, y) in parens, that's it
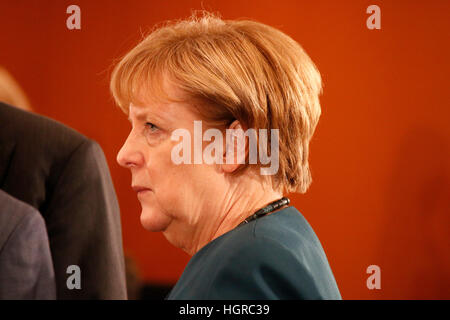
(129, 155)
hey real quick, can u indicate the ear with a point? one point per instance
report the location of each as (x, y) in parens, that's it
(236, 147)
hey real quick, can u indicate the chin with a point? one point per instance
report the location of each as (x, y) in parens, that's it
(154, 221)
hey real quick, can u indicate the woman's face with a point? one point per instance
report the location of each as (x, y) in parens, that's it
(172, 196)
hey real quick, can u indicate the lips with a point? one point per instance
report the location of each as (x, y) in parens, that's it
(140, 189)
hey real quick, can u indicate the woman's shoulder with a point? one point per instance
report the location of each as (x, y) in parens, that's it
(284, 230)
(275, 257)
(282, 241)
(289, 228)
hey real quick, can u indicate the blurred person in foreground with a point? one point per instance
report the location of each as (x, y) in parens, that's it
(64, 175)
(26, 267)
(206, 77)
(11, 92)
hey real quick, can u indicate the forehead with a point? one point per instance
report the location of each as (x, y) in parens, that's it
(158, 108)
(170, 113)
(142, 110)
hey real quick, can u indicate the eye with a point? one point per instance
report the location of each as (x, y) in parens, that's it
(150, 126)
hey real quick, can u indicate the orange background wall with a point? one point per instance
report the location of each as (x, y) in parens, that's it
(380, 156)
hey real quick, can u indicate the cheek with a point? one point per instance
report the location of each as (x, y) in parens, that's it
(158, 163)
(178, 189)
(165, 177)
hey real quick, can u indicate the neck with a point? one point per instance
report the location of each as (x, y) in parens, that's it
(234, 208)
(217, 212)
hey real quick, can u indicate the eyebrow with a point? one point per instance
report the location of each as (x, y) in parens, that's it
(143, 115)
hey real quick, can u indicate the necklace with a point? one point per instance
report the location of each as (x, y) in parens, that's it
(267, 209)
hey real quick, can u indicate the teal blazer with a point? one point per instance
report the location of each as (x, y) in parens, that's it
(274, 257)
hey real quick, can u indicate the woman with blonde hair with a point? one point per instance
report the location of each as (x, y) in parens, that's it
(256, 91)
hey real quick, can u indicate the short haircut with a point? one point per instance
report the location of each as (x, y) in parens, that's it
(232, 70)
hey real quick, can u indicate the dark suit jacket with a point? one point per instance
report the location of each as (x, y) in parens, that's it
(26, 268)
(65, 176)
(274, 257)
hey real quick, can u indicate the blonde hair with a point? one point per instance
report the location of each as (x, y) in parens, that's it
(10, 91)
(232, 69)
